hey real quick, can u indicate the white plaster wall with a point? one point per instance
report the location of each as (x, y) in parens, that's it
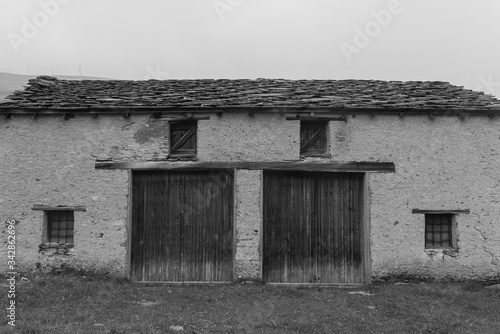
(248, 222)
(445, 163)
(50, 161)
(240, 137)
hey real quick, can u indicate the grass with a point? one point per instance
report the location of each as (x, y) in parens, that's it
(83, 303)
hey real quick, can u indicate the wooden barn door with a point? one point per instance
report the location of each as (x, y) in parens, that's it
(182, 226)
(313, 231)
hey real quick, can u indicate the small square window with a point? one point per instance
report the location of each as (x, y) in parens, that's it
(60, 226)
(183, 138)
(438, 231)
(313, 138)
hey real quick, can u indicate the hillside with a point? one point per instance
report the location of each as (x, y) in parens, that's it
(10, 82)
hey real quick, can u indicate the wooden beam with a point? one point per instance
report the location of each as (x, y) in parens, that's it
(58, 208)
(315, 118)
(183, 118)
(440, 211)
(317, 111)
(365, 229)
(316, 166)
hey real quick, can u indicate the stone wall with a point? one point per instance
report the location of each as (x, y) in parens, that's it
(444, 163)
(248, 221)
(441, 164)
(50, 161)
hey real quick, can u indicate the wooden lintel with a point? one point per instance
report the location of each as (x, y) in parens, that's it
(317, 166)
(316, 118)
(58, 208)
(440, 211)
(172, 118)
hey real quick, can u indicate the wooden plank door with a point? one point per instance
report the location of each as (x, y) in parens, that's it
(182, 226)
(313, 231)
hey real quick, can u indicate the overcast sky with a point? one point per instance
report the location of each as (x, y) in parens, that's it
(448, 40)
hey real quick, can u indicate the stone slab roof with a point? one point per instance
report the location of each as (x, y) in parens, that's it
(47, 92)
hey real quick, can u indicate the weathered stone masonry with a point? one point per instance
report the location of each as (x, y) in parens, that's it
(55, 166)
(445, 163)
(442, 162)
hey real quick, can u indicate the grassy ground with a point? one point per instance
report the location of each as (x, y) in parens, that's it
(74, 303)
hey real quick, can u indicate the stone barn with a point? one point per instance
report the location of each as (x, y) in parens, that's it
(288, 181)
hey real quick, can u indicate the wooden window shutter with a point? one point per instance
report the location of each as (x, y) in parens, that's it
(183, 138)
(313, 138)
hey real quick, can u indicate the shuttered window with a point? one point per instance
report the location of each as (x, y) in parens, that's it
(183, 138)
(313, 138)
(438, 231)
(60, 226)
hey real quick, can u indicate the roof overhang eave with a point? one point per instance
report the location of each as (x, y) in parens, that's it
(495, 111)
